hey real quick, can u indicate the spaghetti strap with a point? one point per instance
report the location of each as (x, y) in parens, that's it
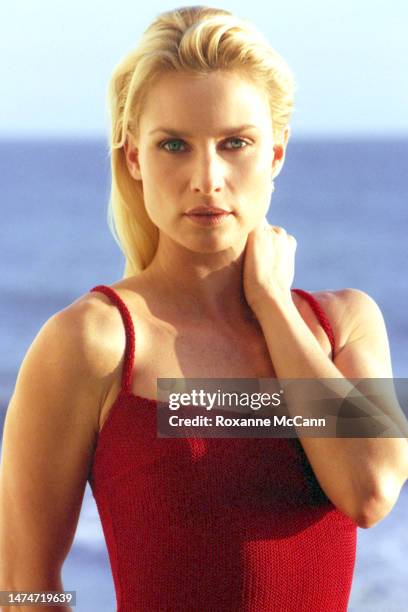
(320, 314)
(129, 359)
(126, 384)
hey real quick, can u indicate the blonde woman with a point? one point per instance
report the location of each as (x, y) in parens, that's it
(200, 125)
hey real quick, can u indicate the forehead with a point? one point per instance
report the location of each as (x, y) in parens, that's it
(204, 102)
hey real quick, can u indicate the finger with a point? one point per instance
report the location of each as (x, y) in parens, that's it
(278, 229)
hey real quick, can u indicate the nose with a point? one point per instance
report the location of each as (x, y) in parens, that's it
(208, 173)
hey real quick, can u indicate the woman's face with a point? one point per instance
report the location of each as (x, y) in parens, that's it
(205, 141)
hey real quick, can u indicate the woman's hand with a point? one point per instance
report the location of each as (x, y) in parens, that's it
(269, 265)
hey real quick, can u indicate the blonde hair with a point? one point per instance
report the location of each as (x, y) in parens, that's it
(194, 40)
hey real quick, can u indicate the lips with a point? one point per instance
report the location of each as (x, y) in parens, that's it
(205, 210)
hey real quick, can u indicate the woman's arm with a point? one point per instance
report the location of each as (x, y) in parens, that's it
(48, 442)
(361, 476)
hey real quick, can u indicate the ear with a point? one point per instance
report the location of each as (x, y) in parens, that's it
(279, 151)
(132, 157)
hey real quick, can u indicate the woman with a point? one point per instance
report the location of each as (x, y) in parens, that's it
(200, 125)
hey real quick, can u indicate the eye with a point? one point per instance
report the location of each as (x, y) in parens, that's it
(240, 141)
(171, 142)
(172, 145)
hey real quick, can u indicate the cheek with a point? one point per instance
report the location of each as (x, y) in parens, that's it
(262, 176)
(156, 174)
(156, 209)
(157, 185)
(257, 184)
(263, 166)
(159, 163)
(255, 170)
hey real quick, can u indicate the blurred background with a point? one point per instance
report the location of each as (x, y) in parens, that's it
(342, 193)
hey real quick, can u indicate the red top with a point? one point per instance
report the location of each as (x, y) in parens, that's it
(215, 524)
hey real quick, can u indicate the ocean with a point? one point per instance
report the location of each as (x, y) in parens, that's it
(344, 201)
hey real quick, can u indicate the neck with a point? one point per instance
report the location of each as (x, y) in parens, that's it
(207, 285)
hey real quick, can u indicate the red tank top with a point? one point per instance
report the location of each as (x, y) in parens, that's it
(214, 524)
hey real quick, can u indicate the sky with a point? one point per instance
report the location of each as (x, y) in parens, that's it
(349, 58)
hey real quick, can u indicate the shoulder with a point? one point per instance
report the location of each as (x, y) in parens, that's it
(96, 318)
(74, 357)
(95, 324)
(346, 309)
(88, 325)
(359, 329)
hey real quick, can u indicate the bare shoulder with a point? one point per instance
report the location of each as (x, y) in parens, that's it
(98, 331)
(75, 356)
(360, 332)
(347, 306)
(342, 297)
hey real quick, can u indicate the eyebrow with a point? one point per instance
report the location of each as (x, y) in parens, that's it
(226, 131)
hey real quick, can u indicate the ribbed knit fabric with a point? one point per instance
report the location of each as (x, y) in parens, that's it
(214, 524)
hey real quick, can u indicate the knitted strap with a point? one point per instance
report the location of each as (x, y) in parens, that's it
(321, 315)
(129, 331)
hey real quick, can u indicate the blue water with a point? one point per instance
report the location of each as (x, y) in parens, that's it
(345, 202)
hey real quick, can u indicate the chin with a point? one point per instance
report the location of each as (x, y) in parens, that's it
(207, 248)
(204, 241)
(215, 245)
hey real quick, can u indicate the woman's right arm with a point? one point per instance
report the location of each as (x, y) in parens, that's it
(49, 435)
